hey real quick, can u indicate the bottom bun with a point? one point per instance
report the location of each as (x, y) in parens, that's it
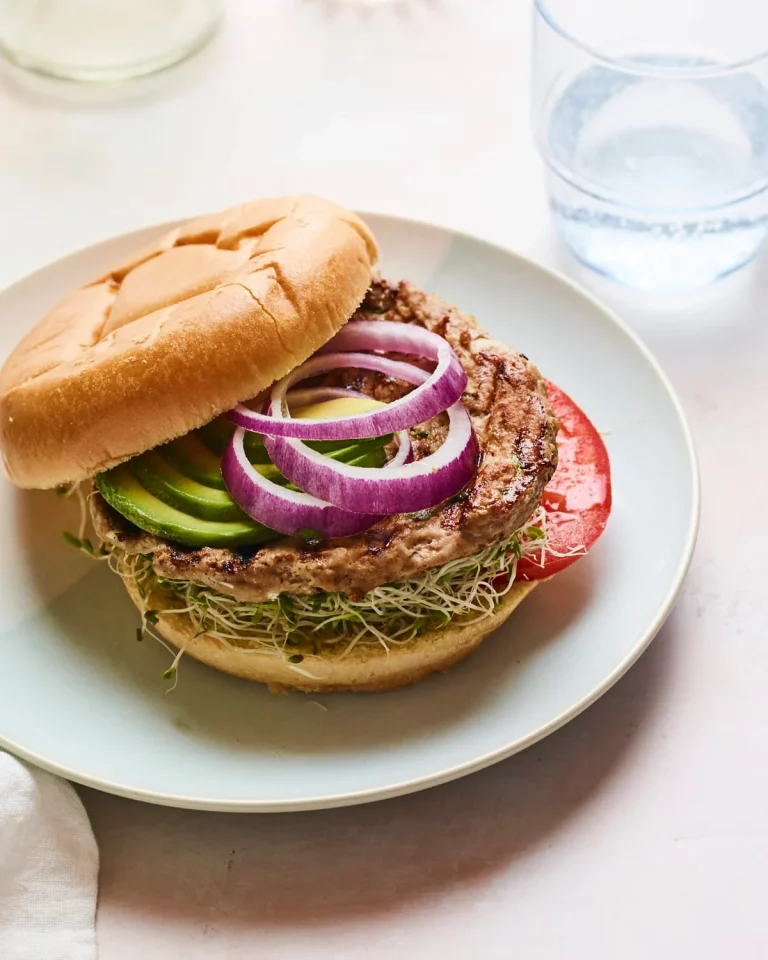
(369, 668)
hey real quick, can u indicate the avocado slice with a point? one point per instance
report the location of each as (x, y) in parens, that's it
(338, 407)
(216, 434)
(124, 493)
(190, 456)
(198, 454)
(375, 457)
(177, 491)
(123, 489)
(166, 483)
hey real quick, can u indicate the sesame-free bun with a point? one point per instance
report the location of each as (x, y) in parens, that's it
(207, 316)
(367, 668)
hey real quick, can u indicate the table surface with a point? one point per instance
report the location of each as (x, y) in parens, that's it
(638, 830)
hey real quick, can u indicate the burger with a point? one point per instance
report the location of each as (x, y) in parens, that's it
(305, 475)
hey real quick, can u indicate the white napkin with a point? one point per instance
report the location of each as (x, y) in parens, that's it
(48, 868)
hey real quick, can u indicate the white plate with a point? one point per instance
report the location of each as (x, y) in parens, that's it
(79, 696)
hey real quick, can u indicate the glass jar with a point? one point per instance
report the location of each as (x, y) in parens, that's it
(103, 40)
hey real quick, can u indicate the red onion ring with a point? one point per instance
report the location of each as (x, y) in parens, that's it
(287, 511)
(317, 394)
(436, 393)
(402, 489)
(386, 335)
(304, 397)
(291, 511)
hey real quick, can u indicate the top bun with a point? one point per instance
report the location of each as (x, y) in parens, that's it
(207, 316)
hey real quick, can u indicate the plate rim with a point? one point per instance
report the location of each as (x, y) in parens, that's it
(427, 781)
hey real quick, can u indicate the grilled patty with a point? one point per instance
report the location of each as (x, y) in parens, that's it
(516, 429)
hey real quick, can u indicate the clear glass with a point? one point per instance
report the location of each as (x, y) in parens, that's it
(652, 119)
(103, 40)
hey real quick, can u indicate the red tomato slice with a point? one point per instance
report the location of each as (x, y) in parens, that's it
(578, 497)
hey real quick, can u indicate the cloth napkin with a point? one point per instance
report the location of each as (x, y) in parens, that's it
(48, 867)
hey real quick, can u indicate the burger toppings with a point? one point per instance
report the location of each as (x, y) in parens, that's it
(340, 499)
(289, 510)
(436, 393)
(402, 488)
(506, 402)
(335, 489)
(177, 491)
(302, 489)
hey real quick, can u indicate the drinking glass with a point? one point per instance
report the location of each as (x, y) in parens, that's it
(651, 117)
(103, 40)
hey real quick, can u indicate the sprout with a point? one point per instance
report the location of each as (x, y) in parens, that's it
(468, 589)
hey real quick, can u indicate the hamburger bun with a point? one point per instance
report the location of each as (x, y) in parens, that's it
(207, 316)
(368, 668)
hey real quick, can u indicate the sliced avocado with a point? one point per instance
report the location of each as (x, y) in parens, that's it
(193, 459)
(190, 456)
(217, 434)
(177, 491)
(122, 490)
(356, 448)
(166, 483)
(254, 449)
(338, 407)
(371, 458)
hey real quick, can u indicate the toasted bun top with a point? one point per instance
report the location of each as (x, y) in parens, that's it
(205, 317)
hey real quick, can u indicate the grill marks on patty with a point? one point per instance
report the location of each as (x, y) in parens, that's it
(516, 429)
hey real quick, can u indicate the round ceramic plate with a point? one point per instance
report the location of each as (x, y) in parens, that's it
(81, 697)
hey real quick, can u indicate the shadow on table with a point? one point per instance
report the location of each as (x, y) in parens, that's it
(313, 868)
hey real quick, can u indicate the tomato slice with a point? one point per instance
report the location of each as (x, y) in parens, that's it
(578, 497)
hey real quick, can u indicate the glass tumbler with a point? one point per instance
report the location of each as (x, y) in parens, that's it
(651, 117)
(103, 40)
